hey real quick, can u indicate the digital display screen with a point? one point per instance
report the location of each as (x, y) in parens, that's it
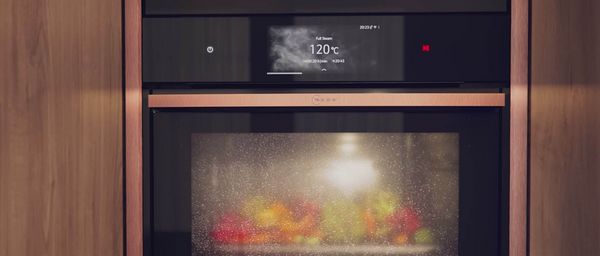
(339, 49)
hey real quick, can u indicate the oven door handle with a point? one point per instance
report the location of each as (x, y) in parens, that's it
(246, 100)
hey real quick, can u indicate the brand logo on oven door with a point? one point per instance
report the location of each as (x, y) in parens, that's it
(318, 99)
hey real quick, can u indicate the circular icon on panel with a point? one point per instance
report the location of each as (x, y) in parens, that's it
(210, 49)
(316, 100)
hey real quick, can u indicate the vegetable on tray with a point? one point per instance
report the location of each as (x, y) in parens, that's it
(377, 218)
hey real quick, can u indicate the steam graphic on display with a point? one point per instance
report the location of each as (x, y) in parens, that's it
(305, 49)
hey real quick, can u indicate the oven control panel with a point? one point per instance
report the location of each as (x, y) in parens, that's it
(274, 49)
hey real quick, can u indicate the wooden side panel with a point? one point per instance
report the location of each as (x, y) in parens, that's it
(565, 128)
(133, 127)
(60, 128)
(519, 83)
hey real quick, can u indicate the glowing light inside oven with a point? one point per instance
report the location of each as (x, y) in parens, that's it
(351, 173)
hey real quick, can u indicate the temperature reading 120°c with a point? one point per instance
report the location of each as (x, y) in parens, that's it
(321, 49)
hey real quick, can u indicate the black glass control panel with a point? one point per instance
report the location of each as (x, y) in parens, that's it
(445, 48)
(320, 6)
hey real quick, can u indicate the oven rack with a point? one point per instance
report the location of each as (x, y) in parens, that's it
(327, 249)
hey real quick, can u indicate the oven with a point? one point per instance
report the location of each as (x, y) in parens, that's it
(298, 130)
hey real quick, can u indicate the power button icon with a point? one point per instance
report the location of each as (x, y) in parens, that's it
(210, 49)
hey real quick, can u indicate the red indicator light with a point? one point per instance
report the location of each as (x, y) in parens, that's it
(425, 48)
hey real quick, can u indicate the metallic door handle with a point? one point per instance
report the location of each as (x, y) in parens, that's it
(327, 100)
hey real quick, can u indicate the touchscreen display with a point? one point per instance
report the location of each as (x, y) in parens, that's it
(321, 49)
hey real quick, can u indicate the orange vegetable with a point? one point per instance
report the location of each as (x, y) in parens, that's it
(260, 238)
(301, 227)
(371, 223)
(273, 216)
(401, 239)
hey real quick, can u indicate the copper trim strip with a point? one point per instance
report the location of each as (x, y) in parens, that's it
(328, 100)
(519, 87)
(133, 128)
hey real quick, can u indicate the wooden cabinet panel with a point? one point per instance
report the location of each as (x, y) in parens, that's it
(565, 128)
(60, 128)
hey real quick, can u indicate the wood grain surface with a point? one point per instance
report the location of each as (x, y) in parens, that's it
(565, 128)
(60, 128)
(519, 89)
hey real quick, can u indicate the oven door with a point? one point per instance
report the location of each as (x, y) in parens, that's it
(326, 174)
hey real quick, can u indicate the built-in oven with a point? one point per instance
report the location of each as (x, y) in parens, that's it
(338, 128)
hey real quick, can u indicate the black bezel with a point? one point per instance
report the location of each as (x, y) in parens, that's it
(303, 7)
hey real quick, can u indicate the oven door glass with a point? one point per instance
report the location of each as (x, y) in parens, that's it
(325, 182)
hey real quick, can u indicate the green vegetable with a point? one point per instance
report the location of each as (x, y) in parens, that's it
(312, 240)
(423, 236)
(383, 203)
(341, 222)
(298, 239)
(254, 206)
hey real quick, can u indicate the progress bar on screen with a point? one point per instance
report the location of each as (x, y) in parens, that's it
(283, 73)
